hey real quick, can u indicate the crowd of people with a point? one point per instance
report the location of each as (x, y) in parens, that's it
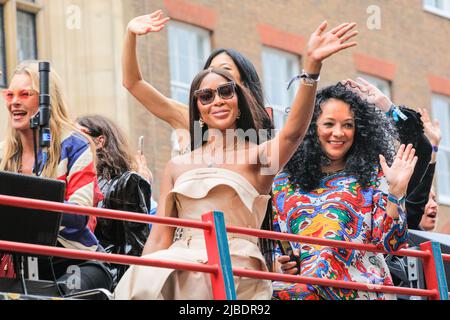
(348, 165)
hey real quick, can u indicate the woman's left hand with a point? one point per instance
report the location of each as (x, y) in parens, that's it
(400, 172)
(370, 93)
(432, 128)
(322, 45)
(143, 169)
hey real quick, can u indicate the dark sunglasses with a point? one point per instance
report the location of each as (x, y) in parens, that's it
(225, 91)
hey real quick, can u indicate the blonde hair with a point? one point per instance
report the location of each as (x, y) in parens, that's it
(60, 124)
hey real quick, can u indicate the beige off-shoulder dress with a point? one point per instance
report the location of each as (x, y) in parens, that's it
(195, 193)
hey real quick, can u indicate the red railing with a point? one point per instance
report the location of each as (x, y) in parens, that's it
(213, 267)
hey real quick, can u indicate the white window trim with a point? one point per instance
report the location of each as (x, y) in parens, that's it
(440, 12)
(277, 108)
(207, 47)
(443, 199)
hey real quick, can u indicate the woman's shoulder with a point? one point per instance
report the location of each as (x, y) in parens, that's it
(74, 140)
(74, 145)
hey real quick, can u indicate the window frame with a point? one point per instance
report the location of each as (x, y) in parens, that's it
(442, 198)
(3, 77)
(377, 80)
(176, 84)
(10, 9)
(296, 68)
(445, 12)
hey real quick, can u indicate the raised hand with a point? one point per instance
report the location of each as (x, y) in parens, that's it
(370, 93)
(400, 172)
(322, 45)
(142, 25)
(432, 128)
(142, 168)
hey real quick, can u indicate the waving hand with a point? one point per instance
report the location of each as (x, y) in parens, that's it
(153, 22)
(322, 45)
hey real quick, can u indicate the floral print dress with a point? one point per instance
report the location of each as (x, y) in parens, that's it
(340, 209)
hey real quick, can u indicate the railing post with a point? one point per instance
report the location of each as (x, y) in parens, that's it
(434, 271)
(219, 254)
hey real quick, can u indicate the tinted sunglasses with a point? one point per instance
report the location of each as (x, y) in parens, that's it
(225, 91)
(22, 95)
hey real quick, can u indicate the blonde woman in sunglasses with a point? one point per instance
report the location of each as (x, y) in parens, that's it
(71, 158)
(195, 184)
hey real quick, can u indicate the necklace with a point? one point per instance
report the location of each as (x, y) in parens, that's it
(221, 156)
(327, 174)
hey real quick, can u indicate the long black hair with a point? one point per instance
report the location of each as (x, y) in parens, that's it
(246, 103)
(252, 82)
(374, 135)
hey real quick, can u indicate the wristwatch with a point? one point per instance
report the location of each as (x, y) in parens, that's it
(309, 79)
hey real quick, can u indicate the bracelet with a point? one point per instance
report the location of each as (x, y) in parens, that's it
(396, 200)
(435, 149)
(306, 78)
(396, 113)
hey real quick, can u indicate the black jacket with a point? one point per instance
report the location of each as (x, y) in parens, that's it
(411, 131)
(129, 192)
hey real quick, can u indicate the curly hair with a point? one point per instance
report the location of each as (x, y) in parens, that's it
(374, 135)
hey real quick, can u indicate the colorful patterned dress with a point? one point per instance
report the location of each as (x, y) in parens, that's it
(340, 209)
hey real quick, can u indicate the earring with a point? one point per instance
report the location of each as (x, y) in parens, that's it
(202, 123)
(239, 115)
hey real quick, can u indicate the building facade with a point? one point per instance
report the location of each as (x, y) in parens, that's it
(403, 47)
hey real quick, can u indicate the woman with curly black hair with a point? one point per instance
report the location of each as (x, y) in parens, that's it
(339, 186)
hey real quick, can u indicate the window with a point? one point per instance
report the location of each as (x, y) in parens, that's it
(382, 84)
(441, 111)
(189, 48)
(2, 50)
(439, 7)
(279, 68)
(26, 36)
(19, 41)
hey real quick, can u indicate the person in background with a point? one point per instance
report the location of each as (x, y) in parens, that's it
(430, 213)
(70, 159)
(123, 189)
